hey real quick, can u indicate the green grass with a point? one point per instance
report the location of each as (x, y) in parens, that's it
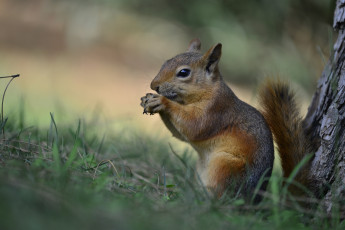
(71, 177)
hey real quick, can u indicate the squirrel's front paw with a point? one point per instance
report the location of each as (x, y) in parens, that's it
(152, 103)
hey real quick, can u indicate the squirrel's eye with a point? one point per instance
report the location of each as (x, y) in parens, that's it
(183, 73)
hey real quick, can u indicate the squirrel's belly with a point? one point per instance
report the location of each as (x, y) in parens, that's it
(224, 157)
(235, 143)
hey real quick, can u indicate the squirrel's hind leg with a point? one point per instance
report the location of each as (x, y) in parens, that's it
(224, 171)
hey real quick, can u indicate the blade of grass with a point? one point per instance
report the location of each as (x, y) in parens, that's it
(56, 158)
(54, 123)
(294, 173)
(262, 180)
(275, 198)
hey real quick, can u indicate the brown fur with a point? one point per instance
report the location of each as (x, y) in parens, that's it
(232, 138)
(222, 168)
(281, 113)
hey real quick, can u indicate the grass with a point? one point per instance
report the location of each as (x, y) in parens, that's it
(71, 177)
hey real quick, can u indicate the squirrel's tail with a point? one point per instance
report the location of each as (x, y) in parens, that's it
(282, 115)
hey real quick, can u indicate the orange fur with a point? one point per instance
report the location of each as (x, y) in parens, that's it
(232, 151)
(280, 111)
(231, 137)
(222, 168)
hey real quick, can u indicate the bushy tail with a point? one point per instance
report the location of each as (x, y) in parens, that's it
(281, 113)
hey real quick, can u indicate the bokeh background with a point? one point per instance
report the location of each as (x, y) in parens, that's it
(95, 59)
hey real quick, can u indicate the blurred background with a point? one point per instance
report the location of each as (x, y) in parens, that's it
(95, 59)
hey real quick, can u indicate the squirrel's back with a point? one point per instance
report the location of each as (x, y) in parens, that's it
(264, 156)
(246, 130)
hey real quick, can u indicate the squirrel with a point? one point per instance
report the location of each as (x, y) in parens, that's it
(233, 139)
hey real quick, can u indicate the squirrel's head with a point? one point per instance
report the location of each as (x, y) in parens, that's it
(189, 76)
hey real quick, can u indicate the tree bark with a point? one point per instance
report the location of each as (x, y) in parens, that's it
(325, 122)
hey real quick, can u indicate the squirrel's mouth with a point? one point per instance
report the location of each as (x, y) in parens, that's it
(170, 95)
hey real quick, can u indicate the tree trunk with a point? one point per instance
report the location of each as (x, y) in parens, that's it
(325, 122)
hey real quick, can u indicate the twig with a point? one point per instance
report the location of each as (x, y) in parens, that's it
(3, 99)
(145, 180)
(12, 76)
(101, 163)
(27, 143)
(178, 157)
(305, 200)
(20, 149)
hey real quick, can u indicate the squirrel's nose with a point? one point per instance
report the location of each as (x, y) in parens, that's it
(154, 87)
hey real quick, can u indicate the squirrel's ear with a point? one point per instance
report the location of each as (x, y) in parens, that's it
(194, 45)
(212, 57)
